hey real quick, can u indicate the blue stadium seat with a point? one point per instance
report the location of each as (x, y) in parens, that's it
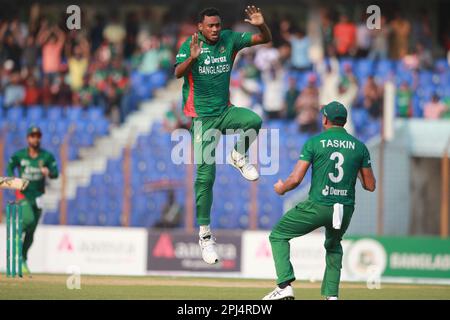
(73, 152)
(35, 113)
(14, 114)
(426, 91)
(74, 113)
(94, 113)
(417, 109)
(441, 65)
(384, 68)
(86, 139)
(360, 118)
(158, 79)
(54, 113)
(51, 218)
(79, 125)
(102, 127)
(346, 61)
(58, 127)
(364, 67)
(22, 126)
(135, 78)
(426, 78)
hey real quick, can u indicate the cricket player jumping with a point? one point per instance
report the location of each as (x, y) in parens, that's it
(205, 61)
(35, 165)
(337, 160)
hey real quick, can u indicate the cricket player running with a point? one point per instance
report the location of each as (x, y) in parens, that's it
(205, 61)
(337, 160)
(35, 165)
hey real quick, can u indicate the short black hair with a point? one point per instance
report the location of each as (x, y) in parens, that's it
(208, 12)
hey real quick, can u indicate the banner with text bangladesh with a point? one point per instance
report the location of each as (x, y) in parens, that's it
(413, 257)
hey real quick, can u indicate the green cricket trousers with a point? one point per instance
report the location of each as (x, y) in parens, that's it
(30, 215)
(300, 220)
(205, 142)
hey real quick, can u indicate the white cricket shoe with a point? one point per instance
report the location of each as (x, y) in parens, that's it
(208, 246)
(281, 294)
(331, 298)
(241, 163)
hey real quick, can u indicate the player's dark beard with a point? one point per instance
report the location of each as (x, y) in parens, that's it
(35, 146)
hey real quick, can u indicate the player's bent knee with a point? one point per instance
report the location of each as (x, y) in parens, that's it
(256, 122)
(252, 119)
(271, 237)
(274, 238)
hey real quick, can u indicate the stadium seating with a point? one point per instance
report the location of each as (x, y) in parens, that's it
(101, 202)
(428, 82)
(54, 123)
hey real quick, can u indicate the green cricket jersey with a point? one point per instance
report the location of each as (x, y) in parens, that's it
(336, 158)
(29, 168)
(206, 88)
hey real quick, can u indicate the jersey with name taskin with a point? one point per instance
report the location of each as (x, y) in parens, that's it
(336, 158)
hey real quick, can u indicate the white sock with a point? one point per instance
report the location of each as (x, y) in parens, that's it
(205, 229)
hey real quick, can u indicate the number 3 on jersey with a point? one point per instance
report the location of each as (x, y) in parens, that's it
(338, 166)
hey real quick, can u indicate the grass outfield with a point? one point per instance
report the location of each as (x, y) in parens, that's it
(42, 286)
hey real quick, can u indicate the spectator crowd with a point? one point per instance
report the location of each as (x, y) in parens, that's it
(43, 63)
(286, 80)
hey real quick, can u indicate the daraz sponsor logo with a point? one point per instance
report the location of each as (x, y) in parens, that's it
(334, 192)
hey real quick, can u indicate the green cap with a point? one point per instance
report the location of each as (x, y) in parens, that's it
(33, 130)
(335, 112)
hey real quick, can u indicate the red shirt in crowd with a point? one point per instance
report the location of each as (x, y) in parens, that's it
(345, 37)
(32, 96)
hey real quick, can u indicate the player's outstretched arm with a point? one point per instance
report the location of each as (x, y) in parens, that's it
(195, 50)
(255, 18)
(367, 179)
(294, 179)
